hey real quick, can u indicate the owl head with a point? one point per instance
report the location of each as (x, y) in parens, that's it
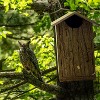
(24, 46)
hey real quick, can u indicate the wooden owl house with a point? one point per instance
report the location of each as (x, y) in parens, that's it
(74, 47)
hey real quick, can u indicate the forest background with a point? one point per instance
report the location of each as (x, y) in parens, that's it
(24, 20)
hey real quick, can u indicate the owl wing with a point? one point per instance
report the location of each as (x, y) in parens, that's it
(34, 60)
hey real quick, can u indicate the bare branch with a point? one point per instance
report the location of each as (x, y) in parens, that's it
(18, 38)
(12, 87)
(49, 70)
(13, 75)
(53, 89)
(55, 77)
(19, 75)
(34, 81)
(21, 94)
(17, 25)
(5, 98)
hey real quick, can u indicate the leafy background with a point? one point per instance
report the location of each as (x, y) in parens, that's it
(19, 22)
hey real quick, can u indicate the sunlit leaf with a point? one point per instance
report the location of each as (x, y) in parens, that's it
(19, 67)
(1, 82)
(4, 35)
(6, 2)
(96, 1)
(26, 14)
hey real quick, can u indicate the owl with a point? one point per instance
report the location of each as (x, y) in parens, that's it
(29, 60)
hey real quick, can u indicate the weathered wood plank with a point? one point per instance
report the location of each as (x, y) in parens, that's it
(81, 51)
(76, 53)
(65, 44)
(85, 46)
(89, 46)
(58, 35)
(70, 39)
(91, 53)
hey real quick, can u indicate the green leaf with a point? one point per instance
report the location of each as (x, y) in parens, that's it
(72, 5)
(18, 67)
(6, 2)
(8, 32)
(0, 37)
(66, 4)
(4, 35)
(1, 82)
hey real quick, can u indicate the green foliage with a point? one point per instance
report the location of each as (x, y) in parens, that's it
(42, 40)
(82, 4)
(44, 49)
(42, 23)
(40, 95)
(77, 4)
(13, 62)
(96, 17)
(16, 4)
(94, 3)
(97, 60)
(97, 97)
(4, 32)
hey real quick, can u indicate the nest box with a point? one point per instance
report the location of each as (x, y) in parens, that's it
(74, 47)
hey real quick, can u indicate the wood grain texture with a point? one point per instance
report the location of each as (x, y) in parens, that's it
(75, 52)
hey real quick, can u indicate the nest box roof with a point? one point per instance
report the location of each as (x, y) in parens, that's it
(66, 16)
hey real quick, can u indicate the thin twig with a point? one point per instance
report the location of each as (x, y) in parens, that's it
(17, 25)
(55, 77)
(5, 98)
(21, 94)
(49, 70)
(59, 4)
(19, 38)
(12, 87)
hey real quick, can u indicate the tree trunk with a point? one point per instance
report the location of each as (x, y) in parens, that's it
(78, 90)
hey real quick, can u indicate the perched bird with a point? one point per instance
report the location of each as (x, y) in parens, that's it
(29, 60)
